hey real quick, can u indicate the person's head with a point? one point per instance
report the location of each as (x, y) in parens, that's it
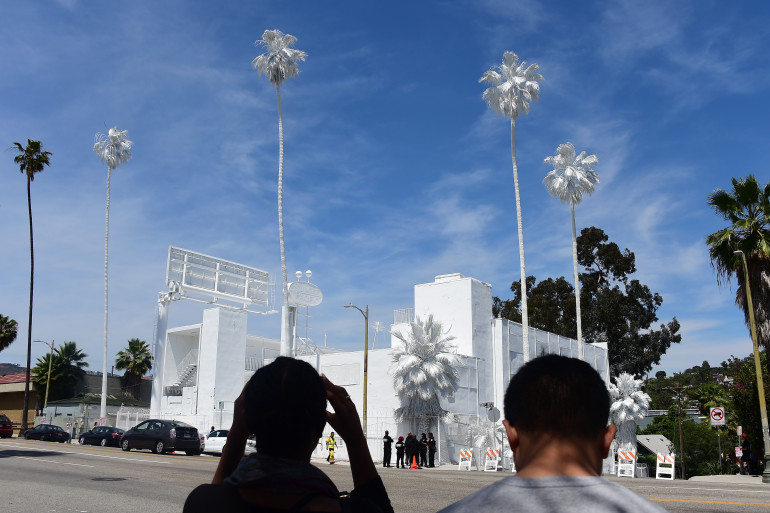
(409, 434)
(423, 436)
(430, 435)
(400, 438)
(386, 432)
(560, 396)
(560, 399)
(286, 400)
(331, 434)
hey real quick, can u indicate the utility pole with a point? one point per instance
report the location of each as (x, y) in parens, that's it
(681, 437)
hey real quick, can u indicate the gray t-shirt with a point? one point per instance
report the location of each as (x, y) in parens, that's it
(559, 493)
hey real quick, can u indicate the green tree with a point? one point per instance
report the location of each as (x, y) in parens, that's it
(513, 87)
(8, 330)
(278, 64)
(701, 446)
(614, 307)
(31, 160)
(67, 368)
(745, 397)
(136, 361)
(747, 209)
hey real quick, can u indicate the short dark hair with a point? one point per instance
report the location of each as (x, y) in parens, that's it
(285, 400)
(558, 395)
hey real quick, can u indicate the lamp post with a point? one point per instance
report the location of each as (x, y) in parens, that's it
(48, 381)
(366, 356)
(758, 367)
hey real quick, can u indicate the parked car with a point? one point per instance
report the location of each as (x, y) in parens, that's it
(215, 441)
(102, 435)
(161, 436)
(6, 427)
(47, 432)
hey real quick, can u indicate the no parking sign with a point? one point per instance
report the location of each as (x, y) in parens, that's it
(717, 416)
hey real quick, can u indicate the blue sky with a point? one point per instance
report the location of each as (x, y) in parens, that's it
(395, 169)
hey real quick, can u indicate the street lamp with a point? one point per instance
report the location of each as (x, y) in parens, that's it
(366, 355)
(758, 367)
(48, 381)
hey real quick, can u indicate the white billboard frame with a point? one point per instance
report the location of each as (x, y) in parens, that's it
(200, 277)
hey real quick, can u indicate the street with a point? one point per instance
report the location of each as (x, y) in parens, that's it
(48, 477)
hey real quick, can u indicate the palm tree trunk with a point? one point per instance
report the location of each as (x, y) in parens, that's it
(285, 336)
(577, 283)
(103, 403)
(524, 318)
(25, 413)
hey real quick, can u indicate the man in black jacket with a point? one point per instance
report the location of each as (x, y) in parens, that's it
(431, 450)
(387, 442)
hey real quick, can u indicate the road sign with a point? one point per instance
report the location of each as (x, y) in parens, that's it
(717, 416)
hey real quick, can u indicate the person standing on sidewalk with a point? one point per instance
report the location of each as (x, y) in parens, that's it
(431, 450)
(331, 443)
(400, 452)
(387, 442)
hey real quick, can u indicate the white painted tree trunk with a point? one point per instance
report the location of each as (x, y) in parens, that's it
(286, 349)
(103, 403)
(524, 318)
(626, 436)
(577, 284)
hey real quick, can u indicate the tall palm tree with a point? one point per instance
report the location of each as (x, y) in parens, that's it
(135, 360)
(747, 209)
(423, 369)
(8, 330)
(571, 177)
(278, 64)
(513, 87)
(113, 149)
(31, 160)
(629, 405)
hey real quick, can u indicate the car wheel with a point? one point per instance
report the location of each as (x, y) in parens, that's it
(82, 440)
(103, 443)
(125, 446)
(26, 436)
(160, 447)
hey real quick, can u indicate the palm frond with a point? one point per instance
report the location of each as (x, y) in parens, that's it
(280, 61)
(114, 148)
(572, 176)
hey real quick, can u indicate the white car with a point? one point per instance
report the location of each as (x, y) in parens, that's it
(215, 442)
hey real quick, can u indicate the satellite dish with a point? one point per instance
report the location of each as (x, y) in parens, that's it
(493, 414)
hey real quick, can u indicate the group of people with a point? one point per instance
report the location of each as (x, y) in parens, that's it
(419, 453)
(556, 420)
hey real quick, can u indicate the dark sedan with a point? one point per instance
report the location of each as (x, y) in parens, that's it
(47, 432)
(102, 435)
(161, 436)
(6, 426)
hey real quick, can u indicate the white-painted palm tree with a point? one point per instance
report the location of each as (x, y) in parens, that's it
(629, 404)
(113, 149)
(514, 85)
(278, 64)
(423, 370)
(572, 177)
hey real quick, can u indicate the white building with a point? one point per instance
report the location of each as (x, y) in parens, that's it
(202, 368)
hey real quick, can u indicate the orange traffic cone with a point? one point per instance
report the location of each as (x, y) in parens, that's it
(414, 463)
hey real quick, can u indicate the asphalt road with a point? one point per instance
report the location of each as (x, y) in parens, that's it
(52, 477)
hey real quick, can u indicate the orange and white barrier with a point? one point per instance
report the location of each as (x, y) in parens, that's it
(493, 462)
(665, 468)
(466, 459)
(626, 463)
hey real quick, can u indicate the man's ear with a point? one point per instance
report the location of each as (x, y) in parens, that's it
(606, 439)
(513, 435)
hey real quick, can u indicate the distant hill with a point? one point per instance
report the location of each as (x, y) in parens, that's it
(11, 368)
